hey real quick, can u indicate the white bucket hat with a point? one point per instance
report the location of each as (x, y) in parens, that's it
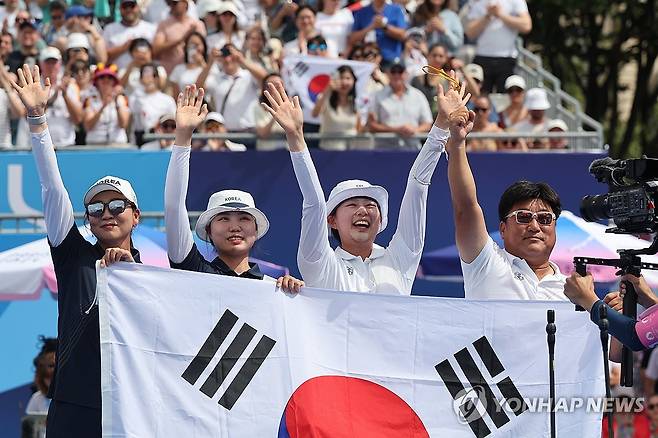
(231, 200)
(356, 188)
(113, 183)
(536, 99)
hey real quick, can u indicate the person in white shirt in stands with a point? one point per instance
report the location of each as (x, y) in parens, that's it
(335, 25)
(527, 211)
(536, 101)
(237, 87)
(149, 105)
(357, 211)
(120, 35)
(166, 125)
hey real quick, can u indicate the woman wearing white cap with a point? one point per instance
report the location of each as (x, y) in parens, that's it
(112, 212)
(357, 210)
(231, 223)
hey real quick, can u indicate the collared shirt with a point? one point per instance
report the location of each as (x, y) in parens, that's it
(197, 263)
(495, 274)
(78, 367)
(390, 270)
(395, 14)
(235, 95)
(410, 108)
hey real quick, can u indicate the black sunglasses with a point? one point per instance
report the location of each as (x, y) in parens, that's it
(479, 109)
(115, 207)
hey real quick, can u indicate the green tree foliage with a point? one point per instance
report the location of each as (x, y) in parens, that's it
(586, 43)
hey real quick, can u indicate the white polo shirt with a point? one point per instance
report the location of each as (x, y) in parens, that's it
(117, 33)
(496, 274)
(236, 94)
(390, 270)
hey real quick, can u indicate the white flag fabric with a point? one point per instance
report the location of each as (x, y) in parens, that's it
(308, 76)
(185, 354)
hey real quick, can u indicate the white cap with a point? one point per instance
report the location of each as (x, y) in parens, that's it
(231, 200)
(475, 71)
(50, 52)
(227, 6)
(557, 124)
(515, 81)
(536, 99)
(214, 116)
(206, 6)
(77, 41)
(356, 188)
(166, 117)
(112, 183)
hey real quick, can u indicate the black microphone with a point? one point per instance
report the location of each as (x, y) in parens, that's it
(550, 338)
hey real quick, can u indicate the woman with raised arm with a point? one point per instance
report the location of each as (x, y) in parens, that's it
(112, 212)
(231, 223)
(357, 210)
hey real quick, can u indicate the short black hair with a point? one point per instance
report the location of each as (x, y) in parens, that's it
(525, 190)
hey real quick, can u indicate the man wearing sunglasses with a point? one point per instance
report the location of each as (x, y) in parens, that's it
(527, 213)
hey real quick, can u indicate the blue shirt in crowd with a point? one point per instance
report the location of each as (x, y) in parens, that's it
(390, 48)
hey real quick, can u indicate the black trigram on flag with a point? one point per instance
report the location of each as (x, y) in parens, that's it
(228, 360)
(480, 388)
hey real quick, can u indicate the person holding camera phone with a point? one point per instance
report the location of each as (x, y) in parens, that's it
(237, 87)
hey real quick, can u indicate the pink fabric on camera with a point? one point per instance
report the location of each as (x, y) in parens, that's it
(647, 327)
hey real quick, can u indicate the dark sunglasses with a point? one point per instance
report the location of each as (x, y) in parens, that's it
(128, 5)
(115, 207)
(370, 54)
(524, 217)
(396, 71)
(479, 109)
(652, 406)
(515, 90)
(510, 142)
(169, 126)
(57, 17)
(314, 47)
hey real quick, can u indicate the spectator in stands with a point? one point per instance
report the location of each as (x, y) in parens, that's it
(383, 23)
(141, 53)
(495, 25)
(281, 17)
(651, 409)
(473, 75)
(83, 87)
(195, 57)
(317, 46)
(166, 125)
(482, 124)
(6, 46)
(214, 124)
(107, 114)
(228, 30)
(55, 30)
(237, 87)
(512, 144)
(80, 20)
(8, 14)
(266, 126)
(171, 34)
(256, 49)
(158, 10)
(557, 125)
(27, 52)
(44, 370)
(337, 110)
(536, 101)
(149, 104)
(77, 49)
(516, 111)
(627, 423)
(305, 22)
(428, 84)
(335, 24)
(369, 52)
(415, 51)
(441, 24)
(8, 100)
(401, 109)
(64, 109)
(120, 35)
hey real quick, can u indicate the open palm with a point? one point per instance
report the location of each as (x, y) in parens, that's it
(453, 111)
(190, 109)
(33, 95)
(287, 113)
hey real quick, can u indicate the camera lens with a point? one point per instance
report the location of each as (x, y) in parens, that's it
(594, 208)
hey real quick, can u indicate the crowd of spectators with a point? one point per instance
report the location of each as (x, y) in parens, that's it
(116, 67)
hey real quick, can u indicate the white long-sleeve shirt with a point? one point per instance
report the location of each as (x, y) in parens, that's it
(57, 207)
(388, 270)
(179, 235)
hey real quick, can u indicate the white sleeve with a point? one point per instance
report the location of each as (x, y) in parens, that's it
(314, 238)
(177, 224)
(490, 267)
(406, 246)
(57, 208)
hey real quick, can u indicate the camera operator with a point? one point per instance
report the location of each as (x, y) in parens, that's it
(636, 335)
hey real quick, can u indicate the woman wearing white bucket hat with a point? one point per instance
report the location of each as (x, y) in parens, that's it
(112, 212)
(357, 210)
(231, 223)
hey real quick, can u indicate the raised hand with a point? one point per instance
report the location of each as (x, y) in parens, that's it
(33, 95)
(453, 114)
(287, 113)
(190, 112)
